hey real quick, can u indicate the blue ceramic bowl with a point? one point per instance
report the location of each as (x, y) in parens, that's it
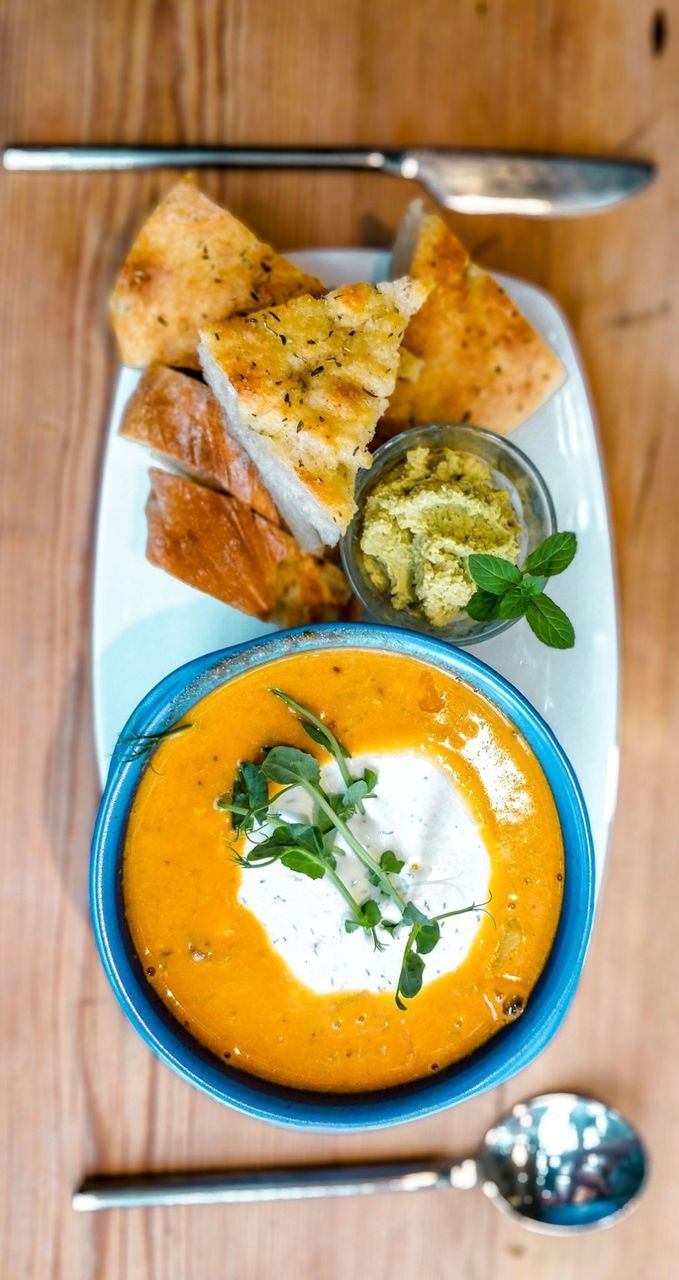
(497, 1060)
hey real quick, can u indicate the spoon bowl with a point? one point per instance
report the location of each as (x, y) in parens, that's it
(562, 1162)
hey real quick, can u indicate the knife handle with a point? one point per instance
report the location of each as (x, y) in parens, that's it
(56, 158)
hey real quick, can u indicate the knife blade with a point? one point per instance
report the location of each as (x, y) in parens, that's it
(468, 181)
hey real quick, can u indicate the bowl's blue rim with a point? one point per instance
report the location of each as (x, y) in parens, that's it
(499, 1058)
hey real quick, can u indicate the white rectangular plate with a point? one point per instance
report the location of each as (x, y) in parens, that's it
(146, 623)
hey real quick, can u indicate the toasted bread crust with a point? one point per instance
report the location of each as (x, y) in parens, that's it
(193, 263)
(178, 416)
(482, 361)
(220, 546)
(312, 378)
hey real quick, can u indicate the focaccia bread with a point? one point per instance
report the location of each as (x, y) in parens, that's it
(193, 263)
(303, 387)
(178, 417)
(482, 361)
(220, 546)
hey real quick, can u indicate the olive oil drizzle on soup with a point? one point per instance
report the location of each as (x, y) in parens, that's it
(210, 959)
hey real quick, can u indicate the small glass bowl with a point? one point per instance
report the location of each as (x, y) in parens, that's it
(511, 470)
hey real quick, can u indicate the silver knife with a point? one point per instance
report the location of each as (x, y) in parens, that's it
(508, 182)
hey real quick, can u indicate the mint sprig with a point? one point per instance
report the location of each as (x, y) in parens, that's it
(506, 591)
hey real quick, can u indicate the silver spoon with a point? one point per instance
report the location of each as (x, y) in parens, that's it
(560, 1162)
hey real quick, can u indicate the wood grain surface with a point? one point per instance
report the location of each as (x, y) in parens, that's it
(79, 1091)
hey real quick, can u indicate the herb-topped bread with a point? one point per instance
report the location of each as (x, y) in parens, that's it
(303, 386)
(191, 264)
(481, 360)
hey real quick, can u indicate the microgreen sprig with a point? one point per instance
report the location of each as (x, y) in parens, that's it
(138, 746)
(301, 847)
(248, 801)
(506, 591)
(309, 847)
(318, 732)
(324, 737)
(425, 934)
(292, 767)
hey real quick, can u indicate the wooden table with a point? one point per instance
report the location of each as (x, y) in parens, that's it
(79, 1089)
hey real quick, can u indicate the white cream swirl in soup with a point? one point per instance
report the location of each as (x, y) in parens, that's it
(418, 812)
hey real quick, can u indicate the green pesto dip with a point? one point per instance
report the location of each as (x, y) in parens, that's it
(423, 520)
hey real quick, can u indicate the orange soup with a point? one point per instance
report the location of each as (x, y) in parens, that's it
(259, 963)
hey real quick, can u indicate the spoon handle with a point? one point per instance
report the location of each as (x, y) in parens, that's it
(238, 1187)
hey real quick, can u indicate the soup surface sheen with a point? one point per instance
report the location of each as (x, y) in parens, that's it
(273, 987)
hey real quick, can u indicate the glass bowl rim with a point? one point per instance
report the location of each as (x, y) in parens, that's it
(377, 607)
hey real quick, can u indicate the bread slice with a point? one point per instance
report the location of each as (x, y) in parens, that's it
(303, 387)
(191, 264)
(220, 546)
(482, 361)
(178, 417)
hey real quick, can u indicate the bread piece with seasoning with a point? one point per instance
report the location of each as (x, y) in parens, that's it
(179, 418)
(193, 263)
(303, 387)
(482, 361)
(218, 545)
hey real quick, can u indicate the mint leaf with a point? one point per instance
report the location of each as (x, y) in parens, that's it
(389, 862)
(289, 765)
(513, 603)
(493, 573)
(553, 555)
(482, 606)
(549, 623)
(532, 586)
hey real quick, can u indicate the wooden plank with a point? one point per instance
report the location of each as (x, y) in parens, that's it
(79, 1090)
